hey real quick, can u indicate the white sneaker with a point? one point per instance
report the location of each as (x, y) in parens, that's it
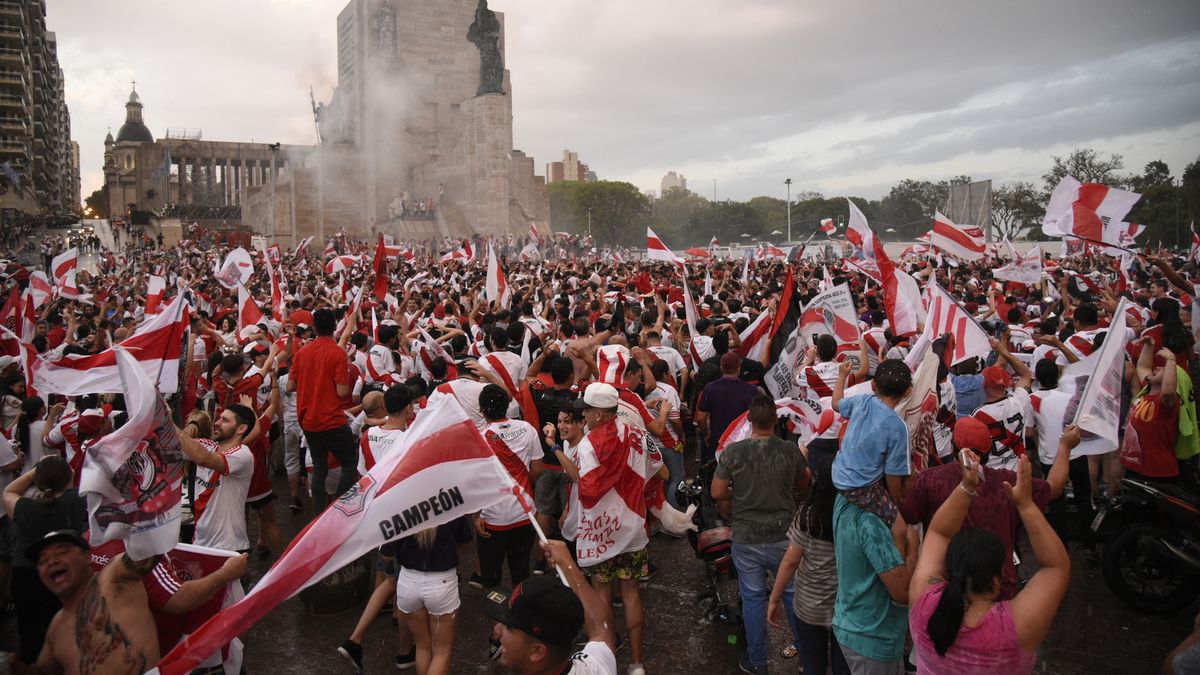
(636, 669)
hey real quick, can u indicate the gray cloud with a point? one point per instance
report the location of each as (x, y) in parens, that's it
(840, 96)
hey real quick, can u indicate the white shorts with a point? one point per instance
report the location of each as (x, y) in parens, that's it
(435, 592)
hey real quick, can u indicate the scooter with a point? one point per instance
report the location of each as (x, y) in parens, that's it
(713, 543)
(1151, 559)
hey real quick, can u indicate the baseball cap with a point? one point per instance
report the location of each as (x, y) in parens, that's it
(971, 433)
(540, 607)
(90, 420)
(56, 537)
(255, 347)
(995, 376)
(601, 395)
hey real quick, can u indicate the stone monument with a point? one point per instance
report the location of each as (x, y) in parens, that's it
(422, 108)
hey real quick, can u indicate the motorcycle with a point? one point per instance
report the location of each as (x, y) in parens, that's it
(713, 544)
(1151, 559)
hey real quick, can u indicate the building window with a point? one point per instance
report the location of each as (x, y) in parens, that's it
(129, 161)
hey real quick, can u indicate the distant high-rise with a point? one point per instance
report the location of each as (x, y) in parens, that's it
(673, 180)
(35, 126)
(569, 169)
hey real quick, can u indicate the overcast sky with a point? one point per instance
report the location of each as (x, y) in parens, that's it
(843, 97)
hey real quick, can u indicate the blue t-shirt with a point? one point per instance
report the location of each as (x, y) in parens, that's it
(968, 392)
(864, 617)
(876, 442)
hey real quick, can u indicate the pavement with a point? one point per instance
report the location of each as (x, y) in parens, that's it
(1093, 632)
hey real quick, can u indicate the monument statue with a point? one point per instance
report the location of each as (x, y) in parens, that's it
(484, 33)
(385, 30)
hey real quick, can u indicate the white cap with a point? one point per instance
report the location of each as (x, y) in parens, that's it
(249, 331)
(601, 395)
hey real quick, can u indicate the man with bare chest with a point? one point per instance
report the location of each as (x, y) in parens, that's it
(105, 626)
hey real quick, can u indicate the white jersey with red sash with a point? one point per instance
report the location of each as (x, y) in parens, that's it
(1083, 343)
(516, 444)
(509, 367)
(466, 392)
(381, 367)
(1005, 419)
(220, 507)
(374, 445)
(613, 471)
(64, 438)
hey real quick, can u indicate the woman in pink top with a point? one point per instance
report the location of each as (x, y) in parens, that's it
(957, 625)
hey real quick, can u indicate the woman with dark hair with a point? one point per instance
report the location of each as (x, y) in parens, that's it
(12, 393)
(1167, 330)
(958, 625)
(810, 559)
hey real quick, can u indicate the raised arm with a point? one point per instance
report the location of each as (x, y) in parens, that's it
(931, 567)
(1034, 607)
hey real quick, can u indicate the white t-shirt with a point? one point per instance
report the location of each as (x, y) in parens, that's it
(664, 390)
(596, 658)
(1050, 409)
(381, 366)
(674, 360)
(467, 394)
(378, 443)
(522, 439)
(289, 403)
(220, 507)
(570, 524)
(1006, 420)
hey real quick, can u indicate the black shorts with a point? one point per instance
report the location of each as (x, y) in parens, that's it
(262, 501)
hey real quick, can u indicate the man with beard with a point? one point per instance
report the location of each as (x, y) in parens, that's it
(105, 625)
(224, 467)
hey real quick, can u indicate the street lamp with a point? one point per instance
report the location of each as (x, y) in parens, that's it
(589, 221)
(788, 183)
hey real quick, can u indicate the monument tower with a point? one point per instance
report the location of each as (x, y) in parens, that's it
(416, 141)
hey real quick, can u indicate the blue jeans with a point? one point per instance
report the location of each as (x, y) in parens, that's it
(753, 562)
(674, 462)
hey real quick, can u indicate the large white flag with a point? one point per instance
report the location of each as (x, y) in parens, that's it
(1100, 406)
(237, 268)
(441, 469)
(1085, 209)
(496, 286)
(62, 263)
(1026, 269)
(132, 477)
(156, 344)
(958, 240)
(657, 250)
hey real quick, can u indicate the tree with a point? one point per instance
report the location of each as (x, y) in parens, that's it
(1016, 209)
(619, 211)
(563, 206)
(1086, 165)
(773, 213)
(673, 211)
(1159, 209)
(727, 221)
(1190, 185)
(1155, 173)
(97, 202)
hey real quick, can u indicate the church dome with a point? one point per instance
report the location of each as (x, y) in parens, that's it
(134, 131)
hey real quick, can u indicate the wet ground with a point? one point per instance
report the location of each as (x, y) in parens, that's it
(1093, 632)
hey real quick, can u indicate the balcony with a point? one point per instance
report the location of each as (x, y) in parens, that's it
(12, 78)
(11, 9)
(13, 125)
(12, 102)
(10, 146)
(10, 55)
(11, 31)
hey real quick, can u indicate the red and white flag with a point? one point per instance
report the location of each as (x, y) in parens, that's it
(902, 309)
(63, 263)
(614, 467)
(1195, 244)
(280, 310)
(439, 470)
(69, 289)
(832, 312)
(803, 416)
(27, 321)
(155, 287)
(380, 267)
(496, 286)
(828, 226)
(341, 263)
(132, 478)
(1083, 209)
(274, 255)
(237, 268)
(533, 232)
(756, 337)
(330, 249)
(712, 245)
(156, 343)
(40, 287)
(858, 232)
(947, 316)
(1026, 269)
(249, 313)
(302, 248)
(657, 250)
(961, 242)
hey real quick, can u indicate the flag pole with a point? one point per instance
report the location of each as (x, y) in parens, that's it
(541, 537)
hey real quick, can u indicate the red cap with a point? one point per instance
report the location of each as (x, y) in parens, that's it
(971, 433)
(995, 376)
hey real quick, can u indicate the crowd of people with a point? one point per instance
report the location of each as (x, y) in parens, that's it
(875, 553)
